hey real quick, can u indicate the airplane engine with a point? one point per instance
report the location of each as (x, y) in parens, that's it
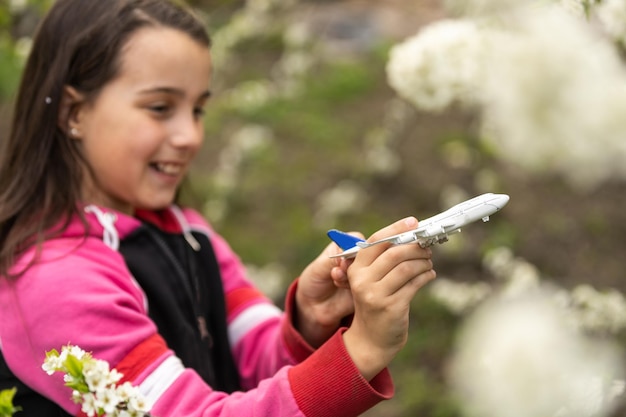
(434, 230)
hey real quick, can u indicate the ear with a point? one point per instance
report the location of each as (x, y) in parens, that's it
(69, 112)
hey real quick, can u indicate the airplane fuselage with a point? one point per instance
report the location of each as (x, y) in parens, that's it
(436, 229)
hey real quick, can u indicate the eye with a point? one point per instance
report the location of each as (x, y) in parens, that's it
(199, 111)
(160, 109)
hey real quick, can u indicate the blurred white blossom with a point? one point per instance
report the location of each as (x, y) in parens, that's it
(587, 309)
(297, 35)
(459, 297)
(452, 195)
(487, 180)
(602, 311)
(516, 356)
(243, 25)
(439, 66)
(577, 8)
(612, 15)
(16, 6)
(269, 5)
(23, 47)
(555, 98)
(256, 18)
(483, 7)
(550, 90)
(457, 154)
(295, 64)
(346, 197)
(270, 279)
(243, 143)
(380, 158)
(251, 95)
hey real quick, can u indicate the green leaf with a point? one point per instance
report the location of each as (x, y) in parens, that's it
(79, 386)
(52, 353)
(74, 366)
(7, 409)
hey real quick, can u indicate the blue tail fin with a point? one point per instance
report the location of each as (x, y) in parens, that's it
(343, 240)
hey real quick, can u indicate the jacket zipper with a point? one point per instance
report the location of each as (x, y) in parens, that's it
(180, 271)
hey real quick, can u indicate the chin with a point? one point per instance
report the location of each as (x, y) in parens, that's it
(155, 204)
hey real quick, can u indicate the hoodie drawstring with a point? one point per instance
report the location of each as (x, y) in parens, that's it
(107, 220)
(180, 217)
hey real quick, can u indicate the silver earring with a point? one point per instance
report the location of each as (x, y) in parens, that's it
(73, 132)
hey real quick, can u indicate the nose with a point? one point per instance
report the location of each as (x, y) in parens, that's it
(187, 132)
(501, 200)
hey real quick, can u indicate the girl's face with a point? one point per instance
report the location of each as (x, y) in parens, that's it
(145, 126)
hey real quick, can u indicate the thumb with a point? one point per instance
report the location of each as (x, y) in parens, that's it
(400, 226)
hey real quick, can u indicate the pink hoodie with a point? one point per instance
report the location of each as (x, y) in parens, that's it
(81, 292)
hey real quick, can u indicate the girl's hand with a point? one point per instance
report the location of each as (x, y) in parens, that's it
(323, 296)
(383, 281)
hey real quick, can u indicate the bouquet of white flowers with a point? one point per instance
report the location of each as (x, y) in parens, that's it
(95, 385)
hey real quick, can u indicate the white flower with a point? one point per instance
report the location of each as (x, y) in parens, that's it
(139, 404)
(550, 90)
(439, 66)
(114, 377)
(96, 387)
(555, 97)
(459, 297)
(89, 404)
(575, 7)
(75, 351)
(517, 357)
(345, 197)
(77, 396)
(126, 391)
(612, 14)
(51, 364)
(594, 310)
(109, 400)
(96, 375)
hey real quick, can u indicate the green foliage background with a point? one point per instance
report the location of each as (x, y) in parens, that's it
(321, 139)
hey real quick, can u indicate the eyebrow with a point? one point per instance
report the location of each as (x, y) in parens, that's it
(171, 90)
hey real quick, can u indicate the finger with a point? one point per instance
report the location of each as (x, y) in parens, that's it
(404, 273)
(339, 273)
(419, 282)
(340, 277)
(401, 226)
(357, 234)
(405, 294)
(394, 257)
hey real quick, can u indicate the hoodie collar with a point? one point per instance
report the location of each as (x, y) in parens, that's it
(112, 226)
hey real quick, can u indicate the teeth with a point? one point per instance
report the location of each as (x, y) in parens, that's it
(170, 169)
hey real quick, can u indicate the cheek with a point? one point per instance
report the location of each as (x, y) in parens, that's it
(119, 149)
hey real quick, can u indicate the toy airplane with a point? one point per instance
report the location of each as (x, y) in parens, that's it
(433, 230)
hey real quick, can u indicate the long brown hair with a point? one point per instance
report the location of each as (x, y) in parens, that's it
(77, 44)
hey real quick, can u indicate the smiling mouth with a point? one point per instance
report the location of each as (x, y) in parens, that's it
(168, 168)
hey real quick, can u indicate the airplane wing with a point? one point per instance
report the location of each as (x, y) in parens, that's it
(426, 235)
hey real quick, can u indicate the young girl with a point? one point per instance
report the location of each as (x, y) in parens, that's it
(94, 253)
